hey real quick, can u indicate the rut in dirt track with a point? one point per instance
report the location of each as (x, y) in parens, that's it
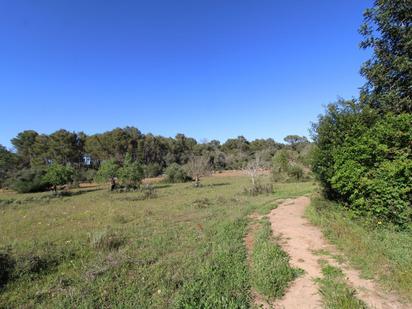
(300, 239)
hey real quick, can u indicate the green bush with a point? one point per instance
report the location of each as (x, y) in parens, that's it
(108, 171)
(84, 175)
(131, 173)
(58, 175)
(152, 170)
(373, 172)
(367, 166)
(295, 172)
(29, 180)
(287, 165)
(176, 173)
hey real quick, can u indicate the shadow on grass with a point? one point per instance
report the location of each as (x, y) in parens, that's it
(220, 184)
(77, 192)
(162, 186)
(47, 197)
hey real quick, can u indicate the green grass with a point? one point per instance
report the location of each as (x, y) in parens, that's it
(182, 249)
(271, 272)
(335, 292)
(379, 251)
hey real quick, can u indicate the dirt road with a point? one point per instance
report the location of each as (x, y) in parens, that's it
(303, 242)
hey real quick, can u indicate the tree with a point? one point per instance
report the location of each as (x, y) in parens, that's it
(65, 147)
(252, 169)
(8, 163)
(40, 151)
(108, 171)
(363, 151)
(239, 144)
(23, 143)
(131, 173)
(197, 167)
(342, 121)
(280, 161)
(387, 30)
(58, 175)
(294, 140)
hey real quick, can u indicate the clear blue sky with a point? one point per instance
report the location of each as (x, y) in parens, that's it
(209, 69)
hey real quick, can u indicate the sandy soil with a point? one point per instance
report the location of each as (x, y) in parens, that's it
(300, 240)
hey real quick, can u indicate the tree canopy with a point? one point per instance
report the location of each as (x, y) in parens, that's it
(363, 148)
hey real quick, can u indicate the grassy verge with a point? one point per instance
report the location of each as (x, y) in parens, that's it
(380, 251)
(271, 272)
(335, 292)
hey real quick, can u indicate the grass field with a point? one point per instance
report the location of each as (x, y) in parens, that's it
(183, 248)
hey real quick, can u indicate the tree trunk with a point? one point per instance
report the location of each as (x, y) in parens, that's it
(112, 184)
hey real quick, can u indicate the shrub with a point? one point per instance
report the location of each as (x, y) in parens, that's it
(30, 264)
(280, 162)
(6, 267)
(296, 172)
(131, 173)
(258, 189)
(288, 166)
(58, 175)
(152, 170)
(148, 192)
(176, 173)
(202, 203)
(371, 170)
(108, 171)
(29, 180)
(84, 175)
(106, 240)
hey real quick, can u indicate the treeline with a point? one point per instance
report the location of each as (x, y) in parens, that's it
(34, 153)
(363, 152)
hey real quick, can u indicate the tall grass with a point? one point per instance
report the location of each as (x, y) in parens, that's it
(271, 272)
(335, 292)
(379, 251)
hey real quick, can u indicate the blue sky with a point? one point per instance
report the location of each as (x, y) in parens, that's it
(209, 69)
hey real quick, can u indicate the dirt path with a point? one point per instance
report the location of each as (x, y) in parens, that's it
(300, 240)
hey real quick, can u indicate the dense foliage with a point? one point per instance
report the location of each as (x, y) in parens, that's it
(58, 175)
(292, 165)
(363, 153)
(131, 173)
(8, 162)
(128, 155)
(176, 173)
(387, 30)
(29, 180)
